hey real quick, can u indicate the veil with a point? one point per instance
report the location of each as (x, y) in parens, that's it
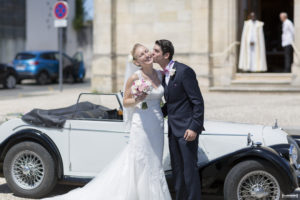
(131, 68)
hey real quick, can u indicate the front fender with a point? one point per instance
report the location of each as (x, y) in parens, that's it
(35, 136)
(219, 168)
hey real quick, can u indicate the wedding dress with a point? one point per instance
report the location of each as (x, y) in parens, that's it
(137, 173)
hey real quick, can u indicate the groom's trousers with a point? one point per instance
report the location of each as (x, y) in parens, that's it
(184, 167)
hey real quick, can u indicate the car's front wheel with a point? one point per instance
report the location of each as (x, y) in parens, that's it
(252, 179)
(29, 170)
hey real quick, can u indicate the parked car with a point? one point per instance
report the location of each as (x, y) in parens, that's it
(8, 76)
(73, 144)
(44, 66)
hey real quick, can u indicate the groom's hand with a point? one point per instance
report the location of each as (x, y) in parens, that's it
(190, 135)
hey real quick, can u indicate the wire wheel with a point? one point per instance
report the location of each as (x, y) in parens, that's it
(258, 185)
(27, 170)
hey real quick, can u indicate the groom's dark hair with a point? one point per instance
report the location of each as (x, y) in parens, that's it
(166, 47)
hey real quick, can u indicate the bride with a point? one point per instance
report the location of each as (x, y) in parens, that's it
(137, 173)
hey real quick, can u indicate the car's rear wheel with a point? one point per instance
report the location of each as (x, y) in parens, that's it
(42, 78)
(252, 180)
(29, 170)
(10, 81)
(69, 78)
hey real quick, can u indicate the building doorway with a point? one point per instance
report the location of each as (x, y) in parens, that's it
(268, 12)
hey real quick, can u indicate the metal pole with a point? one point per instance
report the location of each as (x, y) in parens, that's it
(60, 60)
(210, 43)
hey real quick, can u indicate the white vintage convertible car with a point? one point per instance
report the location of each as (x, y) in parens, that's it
(73, 144)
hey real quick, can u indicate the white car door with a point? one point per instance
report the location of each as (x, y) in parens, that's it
(94, 143)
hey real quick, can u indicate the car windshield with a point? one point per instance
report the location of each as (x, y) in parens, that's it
(24, 56)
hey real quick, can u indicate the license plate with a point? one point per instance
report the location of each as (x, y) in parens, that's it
(21, 67)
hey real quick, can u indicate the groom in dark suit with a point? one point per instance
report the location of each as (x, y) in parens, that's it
(185, 109)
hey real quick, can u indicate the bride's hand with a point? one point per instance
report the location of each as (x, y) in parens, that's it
(141, 98)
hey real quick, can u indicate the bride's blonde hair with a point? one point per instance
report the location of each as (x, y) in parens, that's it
(133, 51)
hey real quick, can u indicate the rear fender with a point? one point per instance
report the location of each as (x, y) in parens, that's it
(35, 136)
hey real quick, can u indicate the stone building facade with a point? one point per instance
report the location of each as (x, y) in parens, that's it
(203, 32)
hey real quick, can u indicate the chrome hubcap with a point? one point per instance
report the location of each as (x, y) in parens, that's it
(258, 185)
(27, 170)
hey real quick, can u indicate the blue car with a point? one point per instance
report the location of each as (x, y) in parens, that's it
(43, 66)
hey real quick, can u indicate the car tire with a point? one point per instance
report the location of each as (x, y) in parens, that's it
(240, 180)
(42, 78)
(29, 170)
(10, 81)
(69, 78)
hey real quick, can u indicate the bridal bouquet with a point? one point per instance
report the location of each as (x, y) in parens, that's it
(140, 87)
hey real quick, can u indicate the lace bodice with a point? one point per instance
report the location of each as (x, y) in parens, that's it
(154, 98)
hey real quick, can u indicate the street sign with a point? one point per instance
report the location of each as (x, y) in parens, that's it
(60, 23)
(61, 10)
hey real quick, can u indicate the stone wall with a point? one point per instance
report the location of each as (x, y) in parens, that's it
(296, 66)
(118, 25)
(183, 22)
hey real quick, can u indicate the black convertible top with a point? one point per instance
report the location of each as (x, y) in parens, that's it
(57, 117)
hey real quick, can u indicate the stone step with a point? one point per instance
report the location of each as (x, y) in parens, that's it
(262, 79)
(261, 82)
(233, 88)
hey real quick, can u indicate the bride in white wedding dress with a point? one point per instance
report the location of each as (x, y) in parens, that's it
(137, 173)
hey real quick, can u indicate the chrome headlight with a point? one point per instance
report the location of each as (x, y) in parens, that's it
(293, 153)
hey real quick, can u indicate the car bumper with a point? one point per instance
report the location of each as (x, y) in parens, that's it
(26, 75)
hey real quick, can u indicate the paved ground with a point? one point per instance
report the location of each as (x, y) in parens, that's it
(260, 108)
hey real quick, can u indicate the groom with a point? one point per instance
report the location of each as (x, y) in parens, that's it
(185, 109)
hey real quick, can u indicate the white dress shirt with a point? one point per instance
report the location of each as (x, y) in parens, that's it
(169, 67)
(287, 36)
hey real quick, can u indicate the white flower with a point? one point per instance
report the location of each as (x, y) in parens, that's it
(138, 83)
(148, 83)
(134, 89)
(130, 58)
(172, 72)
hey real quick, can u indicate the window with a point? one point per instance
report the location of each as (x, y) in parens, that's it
(66, 60)
(24, 56)
(47, 56)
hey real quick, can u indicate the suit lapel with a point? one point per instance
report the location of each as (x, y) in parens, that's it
(168, 87)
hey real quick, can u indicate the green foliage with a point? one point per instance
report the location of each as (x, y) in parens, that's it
(78, 22)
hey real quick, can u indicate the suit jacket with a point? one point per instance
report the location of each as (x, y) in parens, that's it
(184, 103)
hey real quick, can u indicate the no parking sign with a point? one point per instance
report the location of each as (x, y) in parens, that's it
(60, 12)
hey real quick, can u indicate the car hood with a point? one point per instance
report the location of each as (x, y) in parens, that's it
(234, 129)
(259, 133)
(267, 135)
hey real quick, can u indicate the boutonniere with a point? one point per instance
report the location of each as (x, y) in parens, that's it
(172, 72)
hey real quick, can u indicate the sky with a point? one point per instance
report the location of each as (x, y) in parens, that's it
(89, 9)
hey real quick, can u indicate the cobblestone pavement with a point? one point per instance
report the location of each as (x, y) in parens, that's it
(258, 108)
(6, 194)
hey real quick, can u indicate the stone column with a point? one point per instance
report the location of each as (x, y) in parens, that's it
(224, 34)
(296, 69)
(103, 65)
